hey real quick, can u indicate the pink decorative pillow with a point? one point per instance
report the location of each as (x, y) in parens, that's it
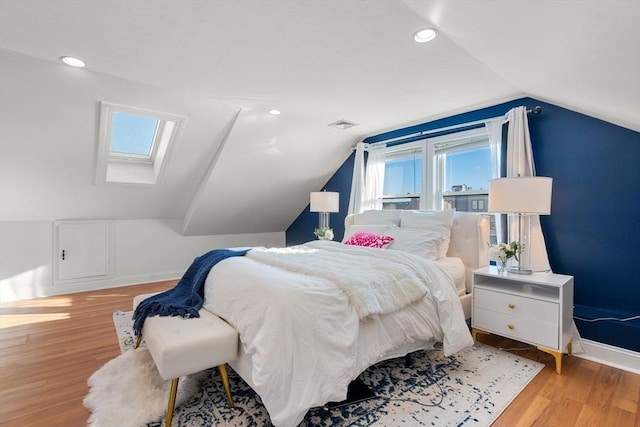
(371, 240)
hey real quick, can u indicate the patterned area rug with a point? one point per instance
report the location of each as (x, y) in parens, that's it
(470, 388)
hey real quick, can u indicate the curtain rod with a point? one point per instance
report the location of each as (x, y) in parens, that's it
(535, 111)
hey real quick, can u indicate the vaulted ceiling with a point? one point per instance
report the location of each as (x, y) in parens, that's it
(223, 64)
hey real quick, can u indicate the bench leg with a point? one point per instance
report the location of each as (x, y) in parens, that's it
(172, 401)
(225, 383)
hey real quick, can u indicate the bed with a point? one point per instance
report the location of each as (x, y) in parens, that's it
(312, 317)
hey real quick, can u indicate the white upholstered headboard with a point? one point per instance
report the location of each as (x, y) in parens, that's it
(469, 235)
(470, 241)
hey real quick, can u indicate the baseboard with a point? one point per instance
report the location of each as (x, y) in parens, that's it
(118, 282)
(93, 285)
(609, 355)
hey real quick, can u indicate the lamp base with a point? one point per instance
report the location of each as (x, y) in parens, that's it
(522, 229)
(323, 220)
(520, 270)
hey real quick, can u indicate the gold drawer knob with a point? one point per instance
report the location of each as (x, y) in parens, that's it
(512, 305)
(511, 326)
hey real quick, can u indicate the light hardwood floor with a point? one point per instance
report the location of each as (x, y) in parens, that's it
(50, 346)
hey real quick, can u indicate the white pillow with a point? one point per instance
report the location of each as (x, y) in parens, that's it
(418, 242)
(375, 217)
(376, 229)
(436, 221)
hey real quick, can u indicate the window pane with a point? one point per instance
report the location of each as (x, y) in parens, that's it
(468, 170)
(401, 203)
(403, 176)
(466, 182)
(131, 134)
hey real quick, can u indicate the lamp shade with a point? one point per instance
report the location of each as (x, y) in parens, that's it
(325, 201)
(523, 195)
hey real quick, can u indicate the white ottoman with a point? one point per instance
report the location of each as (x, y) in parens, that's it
(182, 346)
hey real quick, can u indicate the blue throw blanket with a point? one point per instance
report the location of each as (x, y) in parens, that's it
(186, 298)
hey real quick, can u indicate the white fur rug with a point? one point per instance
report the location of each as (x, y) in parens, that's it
(129, 392)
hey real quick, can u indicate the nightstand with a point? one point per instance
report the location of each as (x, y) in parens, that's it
(536, 309)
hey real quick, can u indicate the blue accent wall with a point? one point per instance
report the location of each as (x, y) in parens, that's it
(593, 232)
(303, 227)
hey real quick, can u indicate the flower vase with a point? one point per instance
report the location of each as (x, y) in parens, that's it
(503, 266)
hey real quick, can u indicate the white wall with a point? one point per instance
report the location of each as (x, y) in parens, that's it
(143, 251)
(25, 259)
(49, 120)
(49, 123)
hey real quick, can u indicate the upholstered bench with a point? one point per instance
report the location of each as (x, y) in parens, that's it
(182, 346)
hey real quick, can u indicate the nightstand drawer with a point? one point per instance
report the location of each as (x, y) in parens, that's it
(542, 311)
(516, 327)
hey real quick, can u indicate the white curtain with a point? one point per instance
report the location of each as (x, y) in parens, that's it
(494, 130)
(357, 182)
(520, 163)
(374, 177)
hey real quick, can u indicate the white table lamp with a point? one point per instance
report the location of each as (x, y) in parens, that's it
(324, 202)
(520, 198)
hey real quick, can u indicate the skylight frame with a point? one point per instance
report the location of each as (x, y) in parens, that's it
(132, 168)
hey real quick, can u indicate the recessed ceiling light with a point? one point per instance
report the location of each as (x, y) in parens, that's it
(425, 35)
(74, 62)
(274, 112)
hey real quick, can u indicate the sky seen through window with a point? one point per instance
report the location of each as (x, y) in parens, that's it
(470, 167)
(133, 134)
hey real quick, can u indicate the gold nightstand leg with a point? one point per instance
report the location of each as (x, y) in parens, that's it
(475, 332)
(556, 355)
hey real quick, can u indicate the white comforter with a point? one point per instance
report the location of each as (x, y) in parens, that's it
(301, 313)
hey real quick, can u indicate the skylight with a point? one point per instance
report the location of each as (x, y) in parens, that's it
(134, 144)
(133, 136)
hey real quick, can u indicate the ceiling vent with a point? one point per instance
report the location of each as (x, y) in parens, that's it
(343, 124)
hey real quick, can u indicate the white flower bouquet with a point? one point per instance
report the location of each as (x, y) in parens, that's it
(503, 251)
(324, 233)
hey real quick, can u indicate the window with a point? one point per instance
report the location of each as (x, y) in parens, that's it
(134, 144)
(462, 165)
(456, 176)
(403, 176)
(466, 178)
(457, 173)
